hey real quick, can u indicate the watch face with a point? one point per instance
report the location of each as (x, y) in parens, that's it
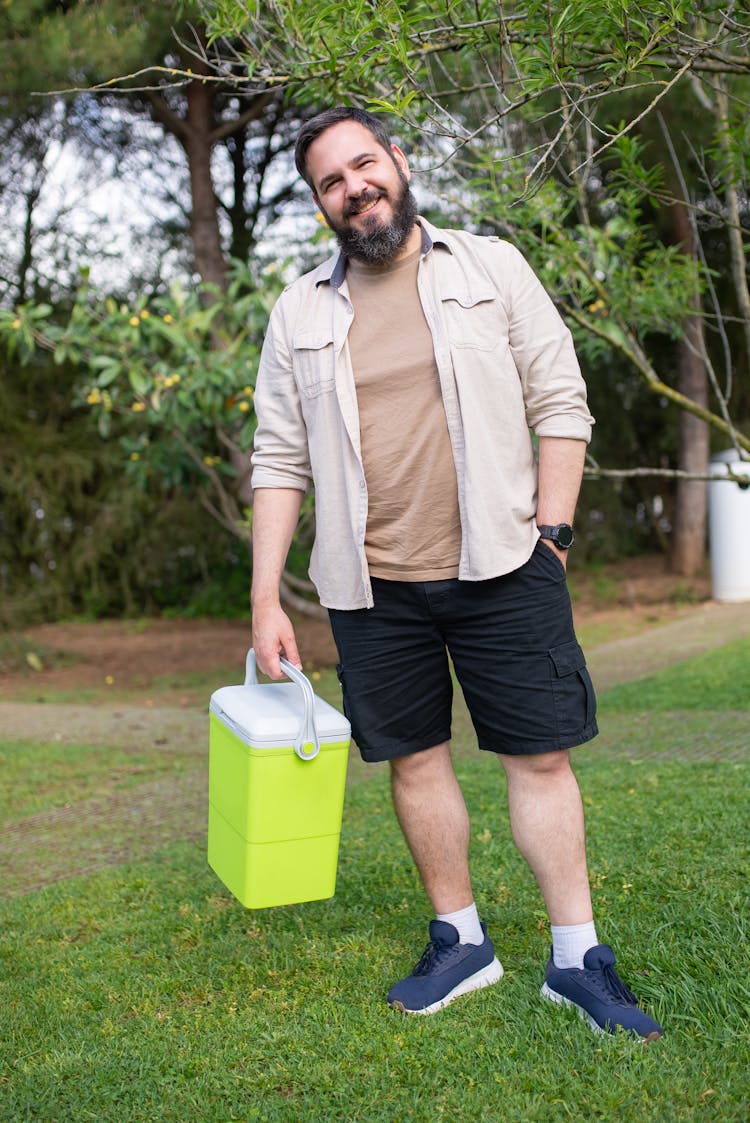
(564, 536)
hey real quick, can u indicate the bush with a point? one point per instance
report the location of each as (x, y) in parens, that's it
(78, 537)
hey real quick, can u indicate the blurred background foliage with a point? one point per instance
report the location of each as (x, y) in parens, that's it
(79, 538)
(151, 214)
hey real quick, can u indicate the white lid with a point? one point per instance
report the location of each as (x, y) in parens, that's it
(272, 713)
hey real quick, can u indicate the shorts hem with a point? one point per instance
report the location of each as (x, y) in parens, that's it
(394, 752)
(536, 748)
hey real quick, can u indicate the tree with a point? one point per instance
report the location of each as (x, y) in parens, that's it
(91, 59)
(542, 111)
(178, 372)
(534, 121)
(118, 61)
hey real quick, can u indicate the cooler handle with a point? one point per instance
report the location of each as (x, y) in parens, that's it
(308, 734)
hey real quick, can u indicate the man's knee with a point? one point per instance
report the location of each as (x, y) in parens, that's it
(547, 765)
(422, 764)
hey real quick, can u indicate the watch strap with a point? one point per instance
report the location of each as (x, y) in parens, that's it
(553, 534)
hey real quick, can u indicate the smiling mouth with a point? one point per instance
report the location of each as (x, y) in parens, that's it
(365, 208)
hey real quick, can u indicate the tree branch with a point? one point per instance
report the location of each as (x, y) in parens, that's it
(632, 350)
(306, 607)
(252, 113)
(595, 472)
(167, 117)
(228, 513)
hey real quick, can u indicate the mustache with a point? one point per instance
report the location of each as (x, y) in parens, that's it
(362, 200)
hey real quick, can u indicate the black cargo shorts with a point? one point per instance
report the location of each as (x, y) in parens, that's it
(513, 647)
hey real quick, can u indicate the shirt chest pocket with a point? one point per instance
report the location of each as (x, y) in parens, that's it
(478, 322)
(314, 361)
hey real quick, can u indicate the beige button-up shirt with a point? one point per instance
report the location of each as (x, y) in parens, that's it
(506, 365)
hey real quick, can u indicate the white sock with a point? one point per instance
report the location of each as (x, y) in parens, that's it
(570, 942)
(466, 922)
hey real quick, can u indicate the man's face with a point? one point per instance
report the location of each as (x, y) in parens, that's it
(363, 192)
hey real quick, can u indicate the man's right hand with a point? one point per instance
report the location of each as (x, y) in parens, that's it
(273, 635)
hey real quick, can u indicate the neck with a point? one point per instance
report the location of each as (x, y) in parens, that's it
(412, 243)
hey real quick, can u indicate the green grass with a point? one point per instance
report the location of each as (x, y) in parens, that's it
(41, 777)
(144, 992)
(147, 993)
(717, 680)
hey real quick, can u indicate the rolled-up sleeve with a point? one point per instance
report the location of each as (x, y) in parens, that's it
(554, 390)
(280, 449)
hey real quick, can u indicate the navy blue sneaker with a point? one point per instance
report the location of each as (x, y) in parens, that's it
(446, 970)
(599, 994)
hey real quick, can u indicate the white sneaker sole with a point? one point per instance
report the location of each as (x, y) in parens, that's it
(490, 974)
(561, 1000)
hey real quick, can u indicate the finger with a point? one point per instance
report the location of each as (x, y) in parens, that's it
(291, 652)
(273, 666)
(267, 657)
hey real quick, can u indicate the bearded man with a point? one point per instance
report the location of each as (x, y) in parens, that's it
(401, 379)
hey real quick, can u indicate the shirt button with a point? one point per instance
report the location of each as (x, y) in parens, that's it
(362, 485)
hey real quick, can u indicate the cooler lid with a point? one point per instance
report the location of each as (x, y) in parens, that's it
(271, 714)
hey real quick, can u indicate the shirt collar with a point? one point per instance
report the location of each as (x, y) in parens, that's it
(431, 236)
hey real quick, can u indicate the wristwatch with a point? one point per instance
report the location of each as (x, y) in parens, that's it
(562, 535)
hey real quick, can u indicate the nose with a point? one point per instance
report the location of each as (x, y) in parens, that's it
(355, 184)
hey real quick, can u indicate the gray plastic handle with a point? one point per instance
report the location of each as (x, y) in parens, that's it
(308, 734)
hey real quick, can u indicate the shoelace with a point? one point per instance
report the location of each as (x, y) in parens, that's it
(611, 983)
(431, 956)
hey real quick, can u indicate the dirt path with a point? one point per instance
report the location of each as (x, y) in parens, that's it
(706, 627)
(124, 727)
(132, 824)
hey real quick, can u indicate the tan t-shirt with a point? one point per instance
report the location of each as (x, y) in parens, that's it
(413, 526)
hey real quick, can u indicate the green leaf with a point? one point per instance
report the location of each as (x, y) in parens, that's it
(108, 375)
(138, 381)
(104, 423)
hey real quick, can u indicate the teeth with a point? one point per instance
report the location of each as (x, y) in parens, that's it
(367, 207)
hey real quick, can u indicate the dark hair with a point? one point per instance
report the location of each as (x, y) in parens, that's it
(316, 126)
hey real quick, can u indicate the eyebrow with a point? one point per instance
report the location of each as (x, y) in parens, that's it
(334, 175)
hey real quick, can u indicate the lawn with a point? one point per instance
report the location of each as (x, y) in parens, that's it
(145, 992)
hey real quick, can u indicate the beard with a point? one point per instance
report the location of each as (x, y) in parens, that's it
(379, 242)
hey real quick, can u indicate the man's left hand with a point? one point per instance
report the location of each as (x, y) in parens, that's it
(561, 554)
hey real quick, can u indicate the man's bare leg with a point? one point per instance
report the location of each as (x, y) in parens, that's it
(432, 813)
(546, 818)
(460, 957)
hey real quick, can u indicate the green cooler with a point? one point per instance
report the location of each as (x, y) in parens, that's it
(277, 770)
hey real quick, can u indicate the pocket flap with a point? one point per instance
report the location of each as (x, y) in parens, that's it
(466, 299)
(567, 658)
(311, 339)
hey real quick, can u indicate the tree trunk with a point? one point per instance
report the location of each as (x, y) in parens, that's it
(237, 211)
(691, 497)
(204, 220)
(31, 198)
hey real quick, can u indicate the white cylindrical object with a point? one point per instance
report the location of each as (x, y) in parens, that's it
(729, 529)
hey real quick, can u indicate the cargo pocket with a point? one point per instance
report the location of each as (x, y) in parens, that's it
(573, 691)
(314, 362)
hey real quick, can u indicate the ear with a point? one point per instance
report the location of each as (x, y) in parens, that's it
(401, 160)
